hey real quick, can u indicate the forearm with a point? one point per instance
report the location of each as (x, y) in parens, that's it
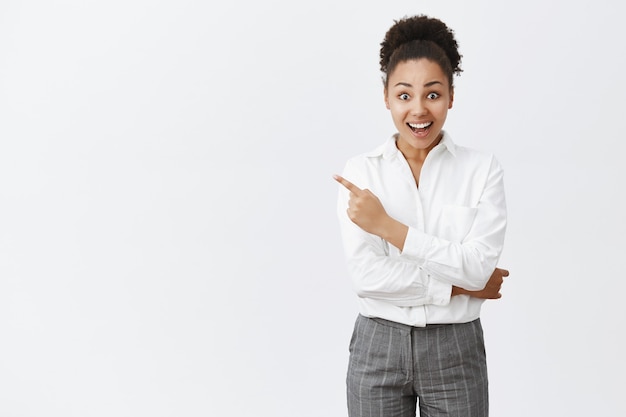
(465, 266)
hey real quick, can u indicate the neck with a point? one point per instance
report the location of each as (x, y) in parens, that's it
(416, 155)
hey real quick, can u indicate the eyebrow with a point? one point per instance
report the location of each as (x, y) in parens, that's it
(428, 84)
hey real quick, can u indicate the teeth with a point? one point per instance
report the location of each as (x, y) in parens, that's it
(419, 125)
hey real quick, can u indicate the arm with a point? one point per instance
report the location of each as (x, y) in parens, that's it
(468, 264)
(377, 275)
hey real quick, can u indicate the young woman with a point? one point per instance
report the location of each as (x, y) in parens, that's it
(423, 222)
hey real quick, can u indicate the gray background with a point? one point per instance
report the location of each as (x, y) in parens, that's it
(168, 237)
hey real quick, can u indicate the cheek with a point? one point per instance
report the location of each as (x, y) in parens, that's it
(442, 110)
(398, 116)
(398, 110)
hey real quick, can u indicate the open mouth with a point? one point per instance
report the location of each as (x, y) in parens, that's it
(419, 127)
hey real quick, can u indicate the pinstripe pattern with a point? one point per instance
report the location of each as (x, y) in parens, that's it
(393, 367)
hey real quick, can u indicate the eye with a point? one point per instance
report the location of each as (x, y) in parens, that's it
(404, 96)
(432, 96)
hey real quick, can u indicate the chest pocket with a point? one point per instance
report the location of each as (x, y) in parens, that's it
(456, 221)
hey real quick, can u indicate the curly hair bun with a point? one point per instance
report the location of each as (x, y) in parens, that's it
(422, 28)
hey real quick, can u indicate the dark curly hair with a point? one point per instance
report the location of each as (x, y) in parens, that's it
(420, 37)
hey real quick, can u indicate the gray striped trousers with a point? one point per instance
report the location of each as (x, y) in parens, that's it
(394, 368)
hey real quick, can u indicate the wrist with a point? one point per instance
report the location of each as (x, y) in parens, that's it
(457, 291)
(393, 232)
(386, 227)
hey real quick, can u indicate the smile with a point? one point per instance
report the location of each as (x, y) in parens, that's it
(418, 126)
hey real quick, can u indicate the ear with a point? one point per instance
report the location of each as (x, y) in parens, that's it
(451, 99)
(386, 99)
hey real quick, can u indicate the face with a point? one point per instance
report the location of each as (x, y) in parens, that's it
(418, 95)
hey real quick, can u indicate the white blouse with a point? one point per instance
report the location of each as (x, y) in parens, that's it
(457, 223)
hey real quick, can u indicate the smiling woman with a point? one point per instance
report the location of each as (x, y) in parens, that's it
(423, 223)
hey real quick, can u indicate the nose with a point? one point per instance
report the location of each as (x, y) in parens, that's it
(418, 108)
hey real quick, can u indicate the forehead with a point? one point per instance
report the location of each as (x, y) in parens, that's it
(417, 72)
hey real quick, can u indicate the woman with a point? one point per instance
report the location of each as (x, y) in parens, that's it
(423, 223)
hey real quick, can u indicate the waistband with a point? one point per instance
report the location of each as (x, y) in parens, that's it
(403, 326)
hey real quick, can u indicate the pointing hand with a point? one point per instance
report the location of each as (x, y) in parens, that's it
(364, 208)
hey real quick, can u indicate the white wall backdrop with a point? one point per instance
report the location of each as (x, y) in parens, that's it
(168, 239)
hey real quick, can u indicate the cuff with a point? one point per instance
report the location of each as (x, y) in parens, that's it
(416, 244)
(439, 292)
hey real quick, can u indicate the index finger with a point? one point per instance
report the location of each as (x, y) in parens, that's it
(351, 187)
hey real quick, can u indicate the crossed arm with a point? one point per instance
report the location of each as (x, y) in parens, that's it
(366, 211)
